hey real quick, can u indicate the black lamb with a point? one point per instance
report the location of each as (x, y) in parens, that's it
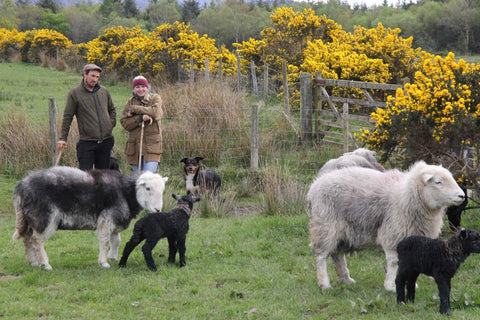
(172, 225)
(433, 257)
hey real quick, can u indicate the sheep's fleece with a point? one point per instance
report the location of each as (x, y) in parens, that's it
(360, 157)
(354, 207)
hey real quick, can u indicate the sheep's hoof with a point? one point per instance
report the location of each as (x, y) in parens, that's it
(324, 286)
(104, 265)
(348, 280)
(390, 287)
(46, 267)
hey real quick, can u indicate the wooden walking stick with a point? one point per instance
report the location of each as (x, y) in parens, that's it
(57, 162)
(140, 148)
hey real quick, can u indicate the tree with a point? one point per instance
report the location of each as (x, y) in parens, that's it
(49, 5)
(85, 23)
(231, 22)
(30, 17)
(130, 8)
(161, 12)
(107, 7)
(461, 18)
(8, 18)
(190, 10)
(55, 21)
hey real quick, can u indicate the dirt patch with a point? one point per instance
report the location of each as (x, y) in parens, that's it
(245, 211)
(6, 277)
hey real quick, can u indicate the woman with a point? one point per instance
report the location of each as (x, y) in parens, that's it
(144, 107)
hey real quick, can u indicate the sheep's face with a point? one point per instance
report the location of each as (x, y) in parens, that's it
(440, 190)
(149, 189)
(470, 240)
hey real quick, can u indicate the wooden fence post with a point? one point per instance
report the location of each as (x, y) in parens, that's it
(220, 71)
(254, 79)
(207, 69)
(346, 128)
(306, 105)
(192, 72)
(254, 139)
(239, 73)
(265, 85)
(52, 116)
(285, 88)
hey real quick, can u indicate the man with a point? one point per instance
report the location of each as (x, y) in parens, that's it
(92, 105)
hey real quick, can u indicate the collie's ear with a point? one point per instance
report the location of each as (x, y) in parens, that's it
(199, 158)
(184, 160)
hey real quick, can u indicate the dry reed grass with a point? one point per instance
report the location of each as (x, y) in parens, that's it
(282, 194)
(204, 119)
(25, 146)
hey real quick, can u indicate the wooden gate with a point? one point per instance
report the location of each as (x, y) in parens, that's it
(334, 119)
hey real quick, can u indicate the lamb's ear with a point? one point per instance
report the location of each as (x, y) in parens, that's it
(175, 196)
(196, 199)
(165, 179)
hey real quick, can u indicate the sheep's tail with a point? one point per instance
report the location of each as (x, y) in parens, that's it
(22, 225)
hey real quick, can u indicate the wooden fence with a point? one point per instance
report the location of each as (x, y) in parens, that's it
(334, 119)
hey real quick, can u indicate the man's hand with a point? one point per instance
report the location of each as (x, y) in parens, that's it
(61, 144)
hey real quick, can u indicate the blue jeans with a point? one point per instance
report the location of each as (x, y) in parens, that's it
(146, 166)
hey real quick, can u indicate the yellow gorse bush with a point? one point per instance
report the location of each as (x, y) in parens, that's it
(439, 113)
(10, 41)
(310, 44)
(32, 44)
(130, 51)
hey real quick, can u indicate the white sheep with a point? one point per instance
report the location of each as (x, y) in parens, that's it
(360, 157)
(353, 207)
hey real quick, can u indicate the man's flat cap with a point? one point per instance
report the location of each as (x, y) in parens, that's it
(91, 66)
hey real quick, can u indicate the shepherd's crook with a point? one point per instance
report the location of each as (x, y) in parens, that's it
(141, 147)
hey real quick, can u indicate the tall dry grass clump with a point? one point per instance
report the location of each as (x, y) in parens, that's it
(205, 119)
(282, 193)
(23, 147)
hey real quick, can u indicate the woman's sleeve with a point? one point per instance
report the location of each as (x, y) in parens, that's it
(129, 123)
(153, 109)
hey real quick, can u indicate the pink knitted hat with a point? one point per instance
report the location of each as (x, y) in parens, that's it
(140, 80)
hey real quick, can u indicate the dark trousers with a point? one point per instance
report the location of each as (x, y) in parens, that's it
(94, 154)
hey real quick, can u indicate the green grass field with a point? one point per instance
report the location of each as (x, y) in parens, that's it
(239, 267)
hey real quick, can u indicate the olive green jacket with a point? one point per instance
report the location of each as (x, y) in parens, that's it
(150, 105)
(95, 113)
